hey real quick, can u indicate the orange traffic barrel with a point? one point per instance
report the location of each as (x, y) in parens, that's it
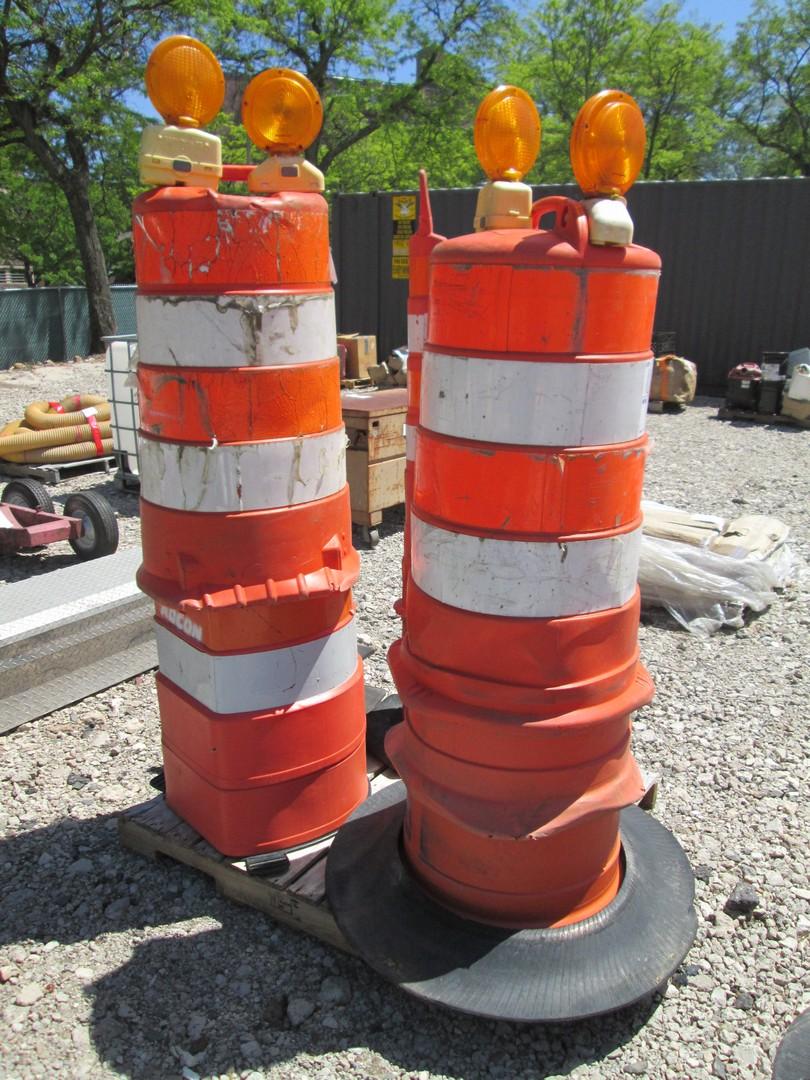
(526, 512)
(246, 527)
(420, 246)
(519, 669)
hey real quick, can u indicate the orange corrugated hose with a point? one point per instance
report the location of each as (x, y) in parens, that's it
(61, 454)
(23, 439)
(41, 414)
(59, 432)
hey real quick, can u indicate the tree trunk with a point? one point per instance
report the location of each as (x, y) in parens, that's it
(99, 298)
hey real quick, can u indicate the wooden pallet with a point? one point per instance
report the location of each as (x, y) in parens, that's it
(297, 896)
(725, 413)
(52, 474)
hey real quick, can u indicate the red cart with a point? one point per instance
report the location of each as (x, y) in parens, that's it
(28, 520)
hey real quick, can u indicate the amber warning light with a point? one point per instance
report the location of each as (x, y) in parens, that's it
(186, 86)
(282, 114)
(507, 142)
(607, 146)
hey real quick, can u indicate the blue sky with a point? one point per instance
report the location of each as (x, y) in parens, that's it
(725, 12)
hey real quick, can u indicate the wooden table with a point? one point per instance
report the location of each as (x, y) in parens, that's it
(375, 458)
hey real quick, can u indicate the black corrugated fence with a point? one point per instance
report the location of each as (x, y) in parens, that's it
(736, 256)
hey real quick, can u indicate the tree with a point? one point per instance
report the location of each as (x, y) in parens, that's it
(35, 224)
(378, 67)
(771, 65)
(677, 75)
(570, 49)
(63, 66)
(567, 50)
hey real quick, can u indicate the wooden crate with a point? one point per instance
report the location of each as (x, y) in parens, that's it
(373, 486)
(375, 458)
(297, 896)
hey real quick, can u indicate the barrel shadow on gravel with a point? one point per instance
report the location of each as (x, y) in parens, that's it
(140, 1019)
(215, 1000)
(69, 883)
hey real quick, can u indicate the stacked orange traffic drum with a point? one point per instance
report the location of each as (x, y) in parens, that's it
(516, 879)
(245, 516)
(520, 667)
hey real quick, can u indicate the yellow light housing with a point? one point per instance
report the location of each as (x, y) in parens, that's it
(607, 143)
(281, 111)
(507, 133)
(185, 82)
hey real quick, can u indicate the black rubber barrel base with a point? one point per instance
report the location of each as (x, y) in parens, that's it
(792, 1061)
(600, 965)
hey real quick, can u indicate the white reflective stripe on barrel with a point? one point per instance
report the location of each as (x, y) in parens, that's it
(256, 681)
(417, 331)
(410, 442)
(242, 476)
(527, 403)
(524, 579)
(262, 330)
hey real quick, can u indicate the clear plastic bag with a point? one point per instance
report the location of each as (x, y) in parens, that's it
(704, 590)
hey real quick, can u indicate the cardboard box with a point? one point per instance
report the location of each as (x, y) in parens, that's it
(361, 354)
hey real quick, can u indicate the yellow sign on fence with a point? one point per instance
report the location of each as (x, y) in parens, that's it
(403, 213)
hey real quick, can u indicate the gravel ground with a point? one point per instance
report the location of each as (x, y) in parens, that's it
(111, 965)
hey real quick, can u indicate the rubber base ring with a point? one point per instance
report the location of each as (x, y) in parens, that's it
(792, 1061)
(605, 963)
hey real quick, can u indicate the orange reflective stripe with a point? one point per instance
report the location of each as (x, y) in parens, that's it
(239, 404)
(508, 490)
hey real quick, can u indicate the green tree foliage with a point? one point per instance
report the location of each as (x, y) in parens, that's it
(570, 49)
(395, 80)
(36, 228)
(63, 67)
(771, 69)
(677, 74)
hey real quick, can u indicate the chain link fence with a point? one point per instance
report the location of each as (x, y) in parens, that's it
(53, 323)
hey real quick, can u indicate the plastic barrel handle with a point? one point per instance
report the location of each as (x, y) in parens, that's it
(570, 219)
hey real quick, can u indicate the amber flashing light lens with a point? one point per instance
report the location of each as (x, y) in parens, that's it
(507, 133)
(184, 81)
(281, 111)
(607, 146)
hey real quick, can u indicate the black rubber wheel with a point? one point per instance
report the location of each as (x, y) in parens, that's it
(792, 1061)
(617, 957)
(28, 493)
(99, 527)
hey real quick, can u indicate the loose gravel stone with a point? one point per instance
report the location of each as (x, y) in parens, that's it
(29, 994)
(299, 1010)
(743, 900)
(726, 732)
(335, 991)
